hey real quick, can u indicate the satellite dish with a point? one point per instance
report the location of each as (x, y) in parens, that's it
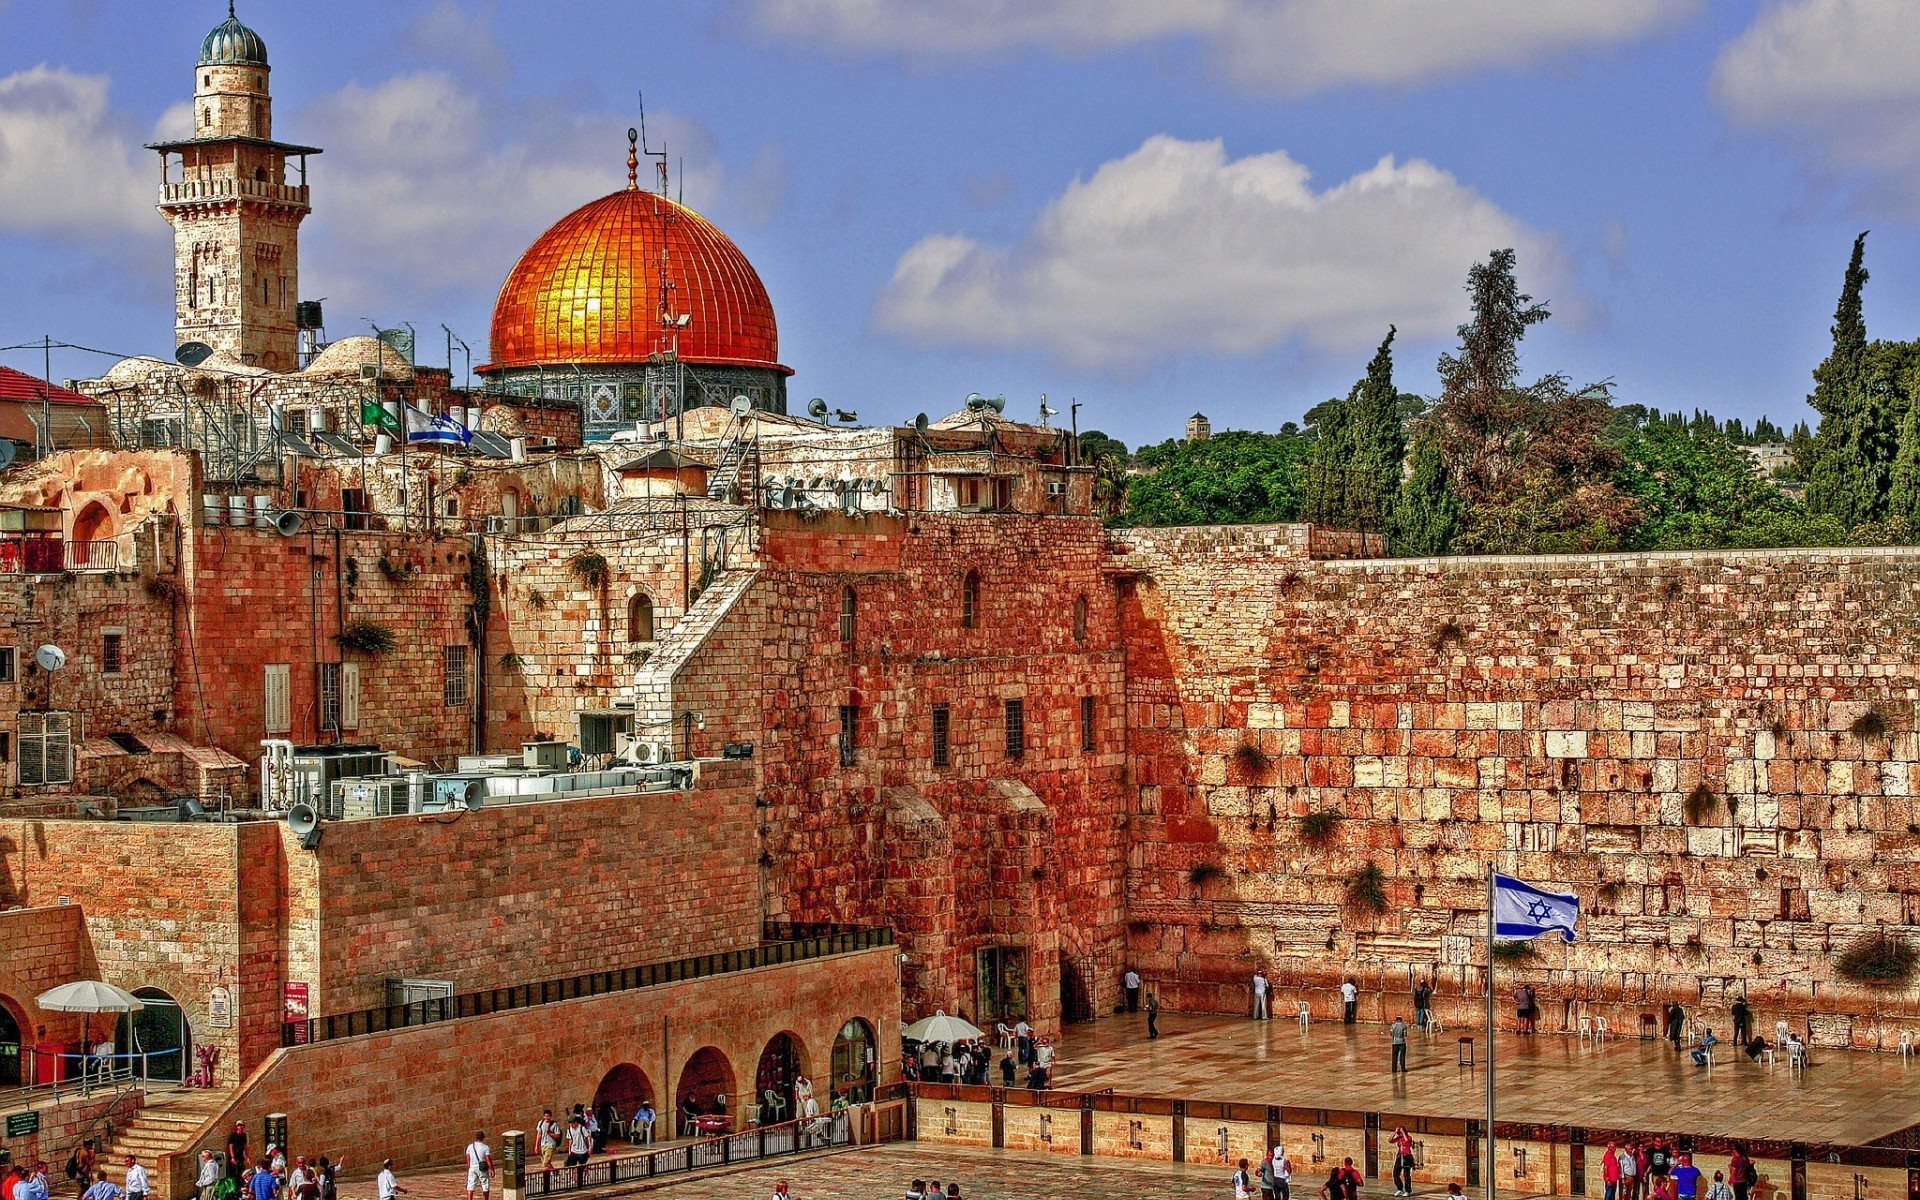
(192, 354)
(740, 406)
(7, 451)
(920, 424)
(51, 658)
(817, 409)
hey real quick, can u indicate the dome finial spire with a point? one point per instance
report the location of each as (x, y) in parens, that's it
(230, 13)
(633, 159)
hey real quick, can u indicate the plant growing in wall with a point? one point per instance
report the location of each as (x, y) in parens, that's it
(1700, 804)
(397, 572)
(1507, 953)
(1249, 759)
(1318, 827)
(589, 567)
(1201, 874)
(1448, 634)
(160, 587)
(1869, 725)
(511, 661)
(536, 598)
(1367, 888)
(1879, 960)
(368, 637)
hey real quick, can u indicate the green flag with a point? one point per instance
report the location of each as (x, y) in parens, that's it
(371, 413)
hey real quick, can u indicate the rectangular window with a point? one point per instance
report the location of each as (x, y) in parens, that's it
(110, 661)
(849, 722)
(349, 695)
(353, 506)
(330, 696)
(1086, 724)
(1000, 982)
(46, 748)
(276, 699)
(9, 664)
(940, 752)
(1016, 728)
(455, 660)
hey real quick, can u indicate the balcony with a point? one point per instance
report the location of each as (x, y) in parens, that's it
(191, 191)
(56, 556)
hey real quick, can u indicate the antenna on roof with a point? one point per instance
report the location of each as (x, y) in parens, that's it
(649, 151)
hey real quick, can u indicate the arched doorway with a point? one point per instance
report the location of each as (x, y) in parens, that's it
(93, 524)
(780, 1067)
(160, 1032)
(621, 1089)
(853, 1061)
(706, 1088)
(10, 1028)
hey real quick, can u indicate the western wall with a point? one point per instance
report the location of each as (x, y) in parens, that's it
(1712, 749)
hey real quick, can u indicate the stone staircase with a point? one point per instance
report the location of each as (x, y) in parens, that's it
(165, 1126)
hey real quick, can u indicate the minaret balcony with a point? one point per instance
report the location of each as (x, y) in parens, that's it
(215, 190)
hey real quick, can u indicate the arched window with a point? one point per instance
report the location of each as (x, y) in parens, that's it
(1080, 619)
(640, 618)
(970, 600)
(847, 610)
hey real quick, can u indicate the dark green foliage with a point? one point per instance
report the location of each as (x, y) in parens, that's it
(1353, 478)
(1512, 953)
(1318, 827)
(1232, 478)
(368, 637)
(1869, 724)
(1250, 759)
(1693, 487)
(1700, 804)
(1879, 960)
(1367, 888)
(1094, 445)
(1426, 515)
(589, 567)
(1850, 460)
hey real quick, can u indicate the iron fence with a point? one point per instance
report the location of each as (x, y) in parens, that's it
(768, 1141)
(783, 942)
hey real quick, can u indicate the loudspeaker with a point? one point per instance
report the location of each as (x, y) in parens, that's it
(288, 523)
(305, 823)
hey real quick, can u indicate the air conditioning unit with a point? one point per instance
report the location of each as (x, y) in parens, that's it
(369, 371)
(544, 756)
(498, 525)
(643, 754)
(1057, 487)
(379, 796)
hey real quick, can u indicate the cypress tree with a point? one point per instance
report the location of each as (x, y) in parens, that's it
(1849, 458)
(1426, 515)
(1378, 439)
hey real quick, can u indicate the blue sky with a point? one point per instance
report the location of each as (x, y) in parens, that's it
(1154, 208)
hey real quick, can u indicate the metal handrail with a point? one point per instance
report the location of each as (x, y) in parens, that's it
(824, 1132)
(784, 942)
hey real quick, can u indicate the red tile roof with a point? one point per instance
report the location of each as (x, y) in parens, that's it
(17, 385)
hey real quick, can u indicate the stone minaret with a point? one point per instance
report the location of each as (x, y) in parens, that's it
(235, 214)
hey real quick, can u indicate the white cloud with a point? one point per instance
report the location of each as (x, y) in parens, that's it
(69, 166)
(448, 32)
(1177, 248)
(1836, 79)
(1286, 46)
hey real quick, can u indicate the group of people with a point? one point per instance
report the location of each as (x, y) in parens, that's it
(238, 1176)
(932, 1189)
(1651, 1170)
(1272, 1179)
(89, 1177)
(971, 1061)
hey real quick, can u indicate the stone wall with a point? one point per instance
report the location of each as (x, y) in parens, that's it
(45, 947)
(1712, 749)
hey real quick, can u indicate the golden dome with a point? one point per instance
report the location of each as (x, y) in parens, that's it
(588, 291)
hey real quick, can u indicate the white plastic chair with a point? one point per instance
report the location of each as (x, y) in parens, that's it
(1006, 1035)
(1600, 1029)
(1586, 1028)
(1906, 1043)
(1796, 1056)
(1769, 1053)
(1433, 1023)
(1306, 1015)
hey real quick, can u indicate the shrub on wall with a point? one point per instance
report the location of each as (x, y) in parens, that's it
(1700, 804)
(368, 637)
(1869, 724)
(1509, 953)
(589, 567)
(1319, 826)
(1203, 874)
(1879, 960)
(1250, 759)
(1367, 888)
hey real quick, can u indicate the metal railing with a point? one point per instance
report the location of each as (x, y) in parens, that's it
(228, 188)
(56, 556)
(768, 1141)
(784, 942)
(82, 1074)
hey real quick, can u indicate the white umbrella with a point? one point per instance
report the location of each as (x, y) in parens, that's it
(89, 996)
(942, 1028)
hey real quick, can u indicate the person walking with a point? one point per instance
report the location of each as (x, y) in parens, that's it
(1266, 1179)
(1350, 1180)
(1242, 1182)
(237, 1151)
(1153, 1015)
(1676, 1024)
(1741, 1173)
(1282, 1175)
(579, 1142)
(1349, 1000)
(1402, 1155)
(1397, 1035)
(1260, 987)
(546, 1137)
(1742, 1021)
(388, 1186)
(210, 1174)
(479, 1165)
(1422, 1003)
(1610, 1172)
(1131, 981)
(137, 1184)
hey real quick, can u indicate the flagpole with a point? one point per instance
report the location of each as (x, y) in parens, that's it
(1489, 1164)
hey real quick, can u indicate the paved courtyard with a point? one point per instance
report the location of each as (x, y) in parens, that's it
(1848, 1097)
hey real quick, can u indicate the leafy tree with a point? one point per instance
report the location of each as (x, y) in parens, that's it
(1850, 457)
(1426, 513)
(1231, 478)
(1094, 444)
(1354, 476)
(1695, 489)
(1528, 461)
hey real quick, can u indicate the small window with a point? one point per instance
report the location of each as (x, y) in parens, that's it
(6, 747)
(9, 664)
(276, 705)
(1080, 619)
(1016, 728)
(1086, 724)
(46, 748)
(640, 617)
(941, 754)
(847, 610)
(453, 507)
(970, 600)
(330, 696)
(849, 724)
(110, 661)
(455, 659)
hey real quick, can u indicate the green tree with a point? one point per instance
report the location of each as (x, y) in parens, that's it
(1694, 489)
(1528, 461)
(1426, 513)
(1094, 445)
(1353, 478)
(1231, 478)
(1850, 457)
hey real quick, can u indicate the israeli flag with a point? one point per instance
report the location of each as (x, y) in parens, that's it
(425, 427)
(1521, 910)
